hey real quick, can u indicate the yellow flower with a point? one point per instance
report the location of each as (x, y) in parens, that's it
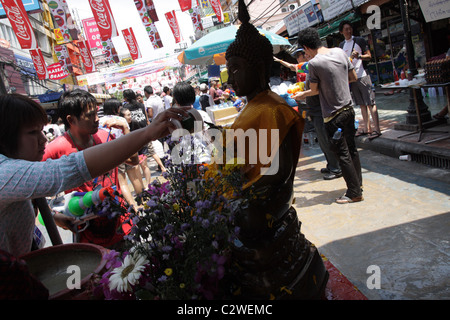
(182, 285)
(168, 272)
(176, 206)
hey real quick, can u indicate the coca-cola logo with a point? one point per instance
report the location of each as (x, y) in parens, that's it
(38, 63)
(131, 45)
(102, 13)
(15, 17)
(216, 6)
(86, 58)
(173, 25)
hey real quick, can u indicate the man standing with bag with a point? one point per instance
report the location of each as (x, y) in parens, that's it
(358, 51)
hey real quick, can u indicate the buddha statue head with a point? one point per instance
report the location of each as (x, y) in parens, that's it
(249, 58)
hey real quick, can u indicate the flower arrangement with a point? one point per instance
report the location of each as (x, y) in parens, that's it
(180, 244)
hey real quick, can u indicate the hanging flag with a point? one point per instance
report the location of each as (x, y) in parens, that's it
(215, 4)
(57, 72)
(151, 10)
(86, 56)
(63, 57)
(39, 63)
(18, 17)
(61, 14)
(104, 18)
(196, 19)
(205, 4)
(131, 42)
(173, 23)
(185, 4)
(149, 25)
(110, 52)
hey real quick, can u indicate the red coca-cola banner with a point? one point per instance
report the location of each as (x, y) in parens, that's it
(185, 4)
(173, 23)
(215, 4)
(39, 63)
(57, 72)
(86, 56)
(132, 44)
(104, 18)
(20, 23)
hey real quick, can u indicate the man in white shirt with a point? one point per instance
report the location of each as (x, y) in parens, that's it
(357, 50)
(167, 98)
(154, 104)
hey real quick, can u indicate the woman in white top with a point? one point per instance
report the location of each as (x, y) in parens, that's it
(24, 177)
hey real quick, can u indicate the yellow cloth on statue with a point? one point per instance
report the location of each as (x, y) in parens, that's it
(266, 111)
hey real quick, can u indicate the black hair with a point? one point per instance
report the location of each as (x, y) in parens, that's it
(343, 23)
(16, 112)
(310, 38)
(122, 110)
(74, 103)
(166, 89)
(148, 89)
(130, 95)
(183, 94)
(111, 106)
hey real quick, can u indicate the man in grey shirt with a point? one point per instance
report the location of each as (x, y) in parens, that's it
(330, 72)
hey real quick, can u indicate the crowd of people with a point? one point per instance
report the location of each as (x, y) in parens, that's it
(107, 151)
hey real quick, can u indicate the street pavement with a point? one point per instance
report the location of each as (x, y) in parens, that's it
(401, 227)
(400, 230)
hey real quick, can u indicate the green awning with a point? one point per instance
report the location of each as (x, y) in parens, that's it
(334, 26)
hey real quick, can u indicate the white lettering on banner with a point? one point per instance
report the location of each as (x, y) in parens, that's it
(86, 58)
(40, 69)
(131, 45)
(102, 13)
(174, 26)
(15, 17)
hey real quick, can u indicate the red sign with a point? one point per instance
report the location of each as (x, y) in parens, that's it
(185, 4)
(173, 23)
(57, 72)
(20, 23)
(215, 4)
(39, 63)
(92, 33)
(132, 44)
(104, 18)
(86, 56)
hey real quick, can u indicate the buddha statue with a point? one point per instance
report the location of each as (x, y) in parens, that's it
(272, 256)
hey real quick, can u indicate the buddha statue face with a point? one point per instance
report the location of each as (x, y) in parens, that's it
(246, 79)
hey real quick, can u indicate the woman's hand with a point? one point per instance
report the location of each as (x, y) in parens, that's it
(118, 123)
(160, 125)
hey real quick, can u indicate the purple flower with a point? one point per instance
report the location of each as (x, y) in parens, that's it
(151, 203)
(205, 223)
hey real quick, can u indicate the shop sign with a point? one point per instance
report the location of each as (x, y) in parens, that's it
(57, 72)
(435, 9)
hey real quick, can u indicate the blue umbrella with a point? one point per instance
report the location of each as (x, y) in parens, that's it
(217, 42)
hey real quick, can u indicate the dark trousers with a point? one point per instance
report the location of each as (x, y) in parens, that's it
(346, 150)
(324, 143)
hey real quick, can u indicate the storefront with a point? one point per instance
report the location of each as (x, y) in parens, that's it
(388, 44)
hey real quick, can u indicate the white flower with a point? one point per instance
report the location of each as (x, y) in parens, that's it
(127, 275)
